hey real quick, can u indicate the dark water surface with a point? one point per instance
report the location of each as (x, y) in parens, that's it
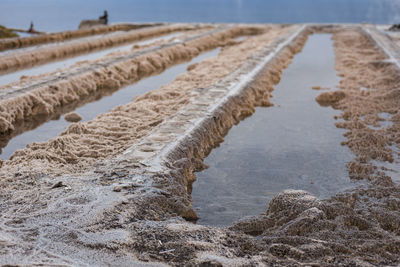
(293, 145)
(57, 15)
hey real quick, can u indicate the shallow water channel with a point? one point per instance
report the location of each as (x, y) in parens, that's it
(89, 111)
(293, 145)
(68, 62)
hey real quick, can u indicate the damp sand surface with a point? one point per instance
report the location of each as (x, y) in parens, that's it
(293, 145)
(62, 64)
(90, 110)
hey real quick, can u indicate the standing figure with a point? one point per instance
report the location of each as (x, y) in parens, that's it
(104, 17)
(31, 29)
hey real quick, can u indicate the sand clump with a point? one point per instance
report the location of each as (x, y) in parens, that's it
(317, 87)
(72, 117)
(296, 229)
(330, 98)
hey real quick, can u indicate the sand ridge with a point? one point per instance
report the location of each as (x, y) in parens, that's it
(15, 43)
(16, 60)
(85, 64)
(370, 85)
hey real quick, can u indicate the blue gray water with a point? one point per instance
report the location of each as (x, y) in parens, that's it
(293, 145)
(51, 15)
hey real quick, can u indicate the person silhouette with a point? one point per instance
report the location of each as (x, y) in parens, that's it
(104, 17)
(31, 29)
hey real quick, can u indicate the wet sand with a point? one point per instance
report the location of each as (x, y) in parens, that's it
(117, 189)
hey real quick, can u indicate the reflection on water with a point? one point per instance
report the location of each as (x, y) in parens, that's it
(294, 144)
(89, 108)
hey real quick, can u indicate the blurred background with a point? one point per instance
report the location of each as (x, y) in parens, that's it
(58, 15)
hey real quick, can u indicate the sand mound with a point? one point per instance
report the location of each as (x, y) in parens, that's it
(72, 117)
(330, 98)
